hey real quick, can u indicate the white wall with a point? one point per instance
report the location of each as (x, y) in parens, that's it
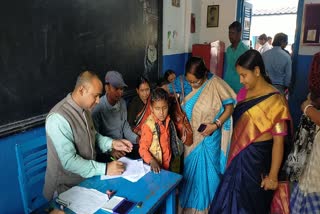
(177, 19)
(194, 7)
(173, 28)
(227, 15)
(305, 49)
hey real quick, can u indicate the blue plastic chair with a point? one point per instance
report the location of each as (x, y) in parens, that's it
(32, 163)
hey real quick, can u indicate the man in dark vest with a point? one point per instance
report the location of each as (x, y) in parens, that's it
(72, 139)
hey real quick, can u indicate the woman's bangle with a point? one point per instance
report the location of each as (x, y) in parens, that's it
(218, 123)
(215, 123)
(306, 108)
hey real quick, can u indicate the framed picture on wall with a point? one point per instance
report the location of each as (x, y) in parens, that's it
(213, 16)
(176, 3)
(311, 32)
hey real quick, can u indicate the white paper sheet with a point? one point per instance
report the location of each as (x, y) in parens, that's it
(112, 203)
(83, 200)
(135, 169)
(147, 168)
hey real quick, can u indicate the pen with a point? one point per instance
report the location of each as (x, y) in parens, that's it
(63, 203)
(112, 158)
(139, 204)
(110, 193)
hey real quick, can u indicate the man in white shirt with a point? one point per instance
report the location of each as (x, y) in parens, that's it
(263, 41)
(270, 40)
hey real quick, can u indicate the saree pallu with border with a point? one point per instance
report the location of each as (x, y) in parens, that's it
(205, 160)
(239, 190)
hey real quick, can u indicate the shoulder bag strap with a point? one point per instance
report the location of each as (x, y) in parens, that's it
(182, 87)
(174, 92)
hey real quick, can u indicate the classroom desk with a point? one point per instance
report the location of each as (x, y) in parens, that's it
(152, 189)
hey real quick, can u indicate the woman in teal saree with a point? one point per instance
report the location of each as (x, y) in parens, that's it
(210, 103)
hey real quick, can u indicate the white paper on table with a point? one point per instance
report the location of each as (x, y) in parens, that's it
(107, 177)
(83, 200)
(147, 168)
(112, 203)
(135, 169)
(134, 178)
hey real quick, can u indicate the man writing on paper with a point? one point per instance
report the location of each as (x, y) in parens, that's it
(72, 139)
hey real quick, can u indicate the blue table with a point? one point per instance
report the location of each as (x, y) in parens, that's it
(152, 189)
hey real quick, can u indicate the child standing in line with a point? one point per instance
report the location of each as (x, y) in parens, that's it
(155, 133)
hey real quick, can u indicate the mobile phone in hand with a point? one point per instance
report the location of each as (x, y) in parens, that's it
(202, 127)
